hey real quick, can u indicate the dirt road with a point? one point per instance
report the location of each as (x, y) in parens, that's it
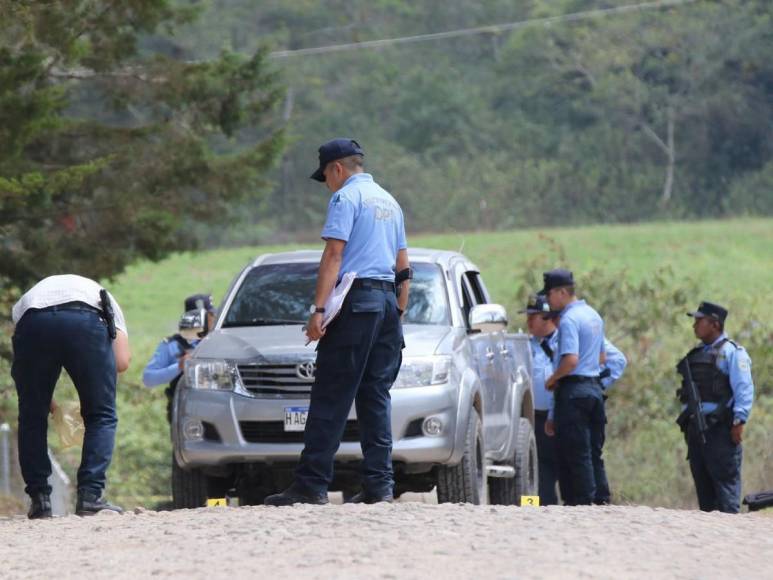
(406, 540)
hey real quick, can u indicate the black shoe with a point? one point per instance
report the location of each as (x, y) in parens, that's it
(293, 495)
(40, 507)
(90, 503)
(365, 497)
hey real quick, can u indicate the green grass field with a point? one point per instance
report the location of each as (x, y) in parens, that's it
(730, 262)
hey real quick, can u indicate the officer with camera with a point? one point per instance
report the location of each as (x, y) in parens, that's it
(68, 322)
(717, 383)
(168, 361)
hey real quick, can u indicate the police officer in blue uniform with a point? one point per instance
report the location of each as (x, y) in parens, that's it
(359, 353)
(166, 365)
(721, 371)
(579, 404)
(543, 342)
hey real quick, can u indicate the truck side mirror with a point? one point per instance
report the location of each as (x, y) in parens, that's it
(488, 318)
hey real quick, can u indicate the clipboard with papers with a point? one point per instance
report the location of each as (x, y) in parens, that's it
(335, 301)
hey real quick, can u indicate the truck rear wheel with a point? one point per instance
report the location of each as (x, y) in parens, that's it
(508, 491)
(466, 482)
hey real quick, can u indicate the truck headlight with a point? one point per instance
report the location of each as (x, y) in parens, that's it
(423, 371)
(211, 374)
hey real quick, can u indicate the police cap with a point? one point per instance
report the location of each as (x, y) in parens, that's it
(557, 278)
(332, 151)
(537, 304)
(198, 302)
(710, 310)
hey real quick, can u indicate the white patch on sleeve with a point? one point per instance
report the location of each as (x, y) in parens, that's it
(745, 365)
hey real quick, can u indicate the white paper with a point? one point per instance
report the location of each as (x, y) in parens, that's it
(336, 299)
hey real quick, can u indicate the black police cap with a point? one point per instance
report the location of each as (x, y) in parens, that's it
(710, 310)
(557, 278)
(199, 301)
(537, 304)
(332, 151)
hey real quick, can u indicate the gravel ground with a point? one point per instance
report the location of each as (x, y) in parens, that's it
(403, 540)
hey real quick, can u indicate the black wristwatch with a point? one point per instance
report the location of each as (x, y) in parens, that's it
(313, 309)
(400, 311)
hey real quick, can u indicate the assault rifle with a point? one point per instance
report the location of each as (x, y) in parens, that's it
(693, 410)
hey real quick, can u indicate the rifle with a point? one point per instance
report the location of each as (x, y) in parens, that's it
(693, 403)
(107, 312)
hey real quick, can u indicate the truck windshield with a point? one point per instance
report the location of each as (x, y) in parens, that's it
(275, 294)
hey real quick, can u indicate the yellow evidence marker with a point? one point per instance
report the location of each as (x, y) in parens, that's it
(529, 501)
(217, 502)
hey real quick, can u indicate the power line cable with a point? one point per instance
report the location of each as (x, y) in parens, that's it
(489, 29)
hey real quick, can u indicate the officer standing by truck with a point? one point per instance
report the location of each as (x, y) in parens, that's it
(543, 343)
(68, 322)
(167, 363)
(717, 384)
(358, 356)
(579, 406)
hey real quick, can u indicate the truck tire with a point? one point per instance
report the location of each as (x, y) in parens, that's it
(466, 482)
(508, 491)
(189, 487)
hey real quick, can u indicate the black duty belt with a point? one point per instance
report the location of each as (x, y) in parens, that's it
(575, 379)
(538, 413)
(373, 284)
(69, 306)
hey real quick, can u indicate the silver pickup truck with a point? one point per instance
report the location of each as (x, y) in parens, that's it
(462, 414)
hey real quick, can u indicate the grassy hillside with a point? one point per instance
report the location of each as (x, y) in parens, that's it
(640, 276)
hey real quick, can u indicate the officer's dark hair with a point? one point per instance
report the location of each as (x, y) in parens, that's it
(353, 162)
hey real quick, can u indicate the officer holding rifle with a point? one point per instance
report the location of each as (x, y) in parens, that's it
(73, 323)
(717, 393)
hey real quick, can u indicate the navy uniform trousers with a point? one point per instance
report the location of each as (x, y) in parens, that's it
(357, 361)
(579, 422)
(547, 459)
(716, 468)
(44, 342)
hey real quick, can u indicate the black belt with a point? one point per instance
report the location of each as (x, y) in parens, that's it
(538, 413)
(69, 306)
(373, 284)
(574, 379)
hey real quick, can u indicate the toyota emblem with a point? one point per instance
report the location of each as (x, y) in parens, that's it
(305, 371)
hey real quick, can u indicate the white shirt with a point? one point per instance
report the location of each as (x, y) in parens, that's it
(62, 289)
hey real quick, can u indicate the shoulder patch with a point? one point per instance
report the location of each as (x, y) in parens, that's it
(744, 364)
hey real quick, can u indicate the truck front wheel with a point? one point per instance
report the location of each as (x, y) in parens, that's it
(466, 482)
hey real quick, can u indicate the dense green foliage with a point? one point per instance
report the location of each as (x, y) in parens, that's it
(109, 149)
(661, 114)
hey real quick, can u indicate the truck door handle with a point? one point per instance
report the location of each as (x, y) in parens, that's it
(490, 354)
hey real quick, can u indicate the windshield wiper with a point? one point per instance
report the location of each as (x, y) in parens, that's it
(263, 322)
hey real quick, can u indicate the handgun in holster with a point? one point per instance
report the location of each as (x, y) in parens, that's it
(400, 277)
(107, 313)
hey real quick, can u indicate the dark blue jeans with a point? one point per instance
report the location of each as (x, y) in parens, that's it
(548, 461)
(357, 361)
(45, 342)
(579, 416)
(716, 469)
(598, 437)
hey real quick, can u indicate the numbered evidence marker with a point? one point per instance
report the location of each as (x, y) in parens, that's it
(217, 502)
(529, 501)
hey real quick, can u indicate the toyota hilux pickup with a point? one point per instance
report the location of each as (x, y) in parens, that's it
(462, 413)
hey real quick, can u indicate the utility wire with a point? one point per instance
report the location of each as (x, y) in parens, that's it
(489, 29)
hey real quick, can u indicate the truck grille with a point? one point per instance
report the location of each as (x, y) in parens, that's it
(278, 380)
(273, 432)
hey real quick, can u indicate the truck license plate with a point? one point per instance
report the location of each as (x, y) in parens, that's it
(295, 418)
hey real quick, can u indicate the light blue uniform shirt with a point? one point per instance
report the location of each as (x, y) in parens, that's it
(581, 332)
(542, 368)
(163, 368)
(370, 221)
(734, 361)
(615, 362)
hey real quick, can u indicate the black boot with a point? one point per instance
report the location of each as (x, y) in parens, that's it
(365, 497)
(90, 503)
(40, 507)
(293, 495)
